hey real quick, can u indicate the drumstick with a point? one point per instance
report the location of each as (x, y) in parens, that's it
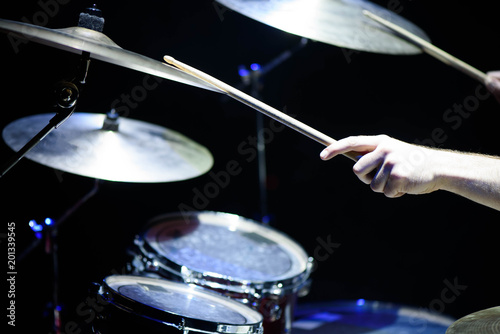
(430, 49)
(259, 106)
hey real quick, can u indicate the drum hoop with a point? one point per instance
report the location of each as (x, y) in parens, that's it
(172, 319)
(215, 280)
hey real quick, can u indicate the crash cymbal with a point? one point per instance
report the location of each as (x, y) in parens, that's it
(135, 151)
(485, 322)
(337, 22)
(100, 46)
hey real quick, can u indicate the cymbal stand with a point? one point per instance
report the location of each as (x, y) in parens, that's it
(253, 78)
(50, 229)
(66, 97)
(66, 93)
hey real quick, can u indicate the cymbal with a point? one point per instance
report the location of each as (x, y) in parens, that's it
(337, 22)
(485, 322)
(136, 152)
(100, 46)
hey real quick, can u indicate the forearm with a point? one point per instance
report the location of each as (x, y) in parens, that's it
(473, 176)
(396, 168)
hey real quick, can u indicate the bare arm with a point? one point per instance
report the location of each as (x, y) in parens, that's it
(396, 168)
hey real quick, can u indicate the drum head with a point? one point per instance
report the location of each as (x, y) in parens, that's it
(177, 303)
(226, 245)
(367, 317)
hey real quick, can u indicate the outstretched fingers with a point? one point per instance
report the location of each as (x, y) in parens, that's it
(361, 144)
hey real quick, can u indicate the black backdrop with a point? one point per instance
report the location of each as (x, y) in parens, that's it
(395, 250)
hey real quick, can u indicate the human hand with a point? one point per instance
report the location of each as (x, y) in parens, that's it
(388, 165)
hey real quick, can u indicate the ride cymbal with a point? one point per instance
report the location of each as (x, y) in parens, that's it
(133, 151)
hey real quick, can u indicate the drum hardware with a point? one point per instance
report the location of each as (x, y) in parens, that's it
(263, 269)
(66, 95)
(256, 86)
(255, 80)
(86, 141)
(150, 264)
(193, 158)
(145, 303)
(48, 231)
(98, 46)
(91, 18)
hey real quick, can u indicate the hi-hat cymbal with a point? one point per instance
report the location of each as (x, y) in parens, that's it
(100, 46)
(337, 22)
(136, 152)
(485, 322)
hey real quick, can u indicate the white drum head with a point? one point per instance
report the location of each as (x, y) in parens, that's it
(181, 304)
(226, 245)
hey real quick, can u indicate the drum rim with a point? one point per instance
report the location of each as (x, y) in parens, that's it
(181, 322)
(279, 285)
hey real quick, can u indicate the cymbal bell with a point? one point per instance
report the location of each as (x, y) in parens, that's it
(134, 151)
(100, 46)
(485, 322)
(336, 22)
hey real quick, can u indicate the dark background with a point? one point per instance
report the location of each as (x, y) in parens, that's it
(393, 250)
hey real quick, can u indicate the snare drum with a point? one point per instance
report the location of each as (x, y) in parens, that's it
(137, 304)
(240, 258)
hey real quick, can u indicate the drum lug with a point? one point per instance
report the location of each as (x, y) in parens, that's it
(138, 242)
(271, 310)
(304, 289)
(143, 261)
(257, 331)
(181, 326)
(138, 263)
(152, 266)
(312, 265)
(142, 264)
(254, 296)
(277, 290)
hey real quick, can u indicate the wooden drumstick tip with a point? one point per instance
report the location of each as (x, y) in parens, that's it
(371, 15)
(366, 13)
(169, 59)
